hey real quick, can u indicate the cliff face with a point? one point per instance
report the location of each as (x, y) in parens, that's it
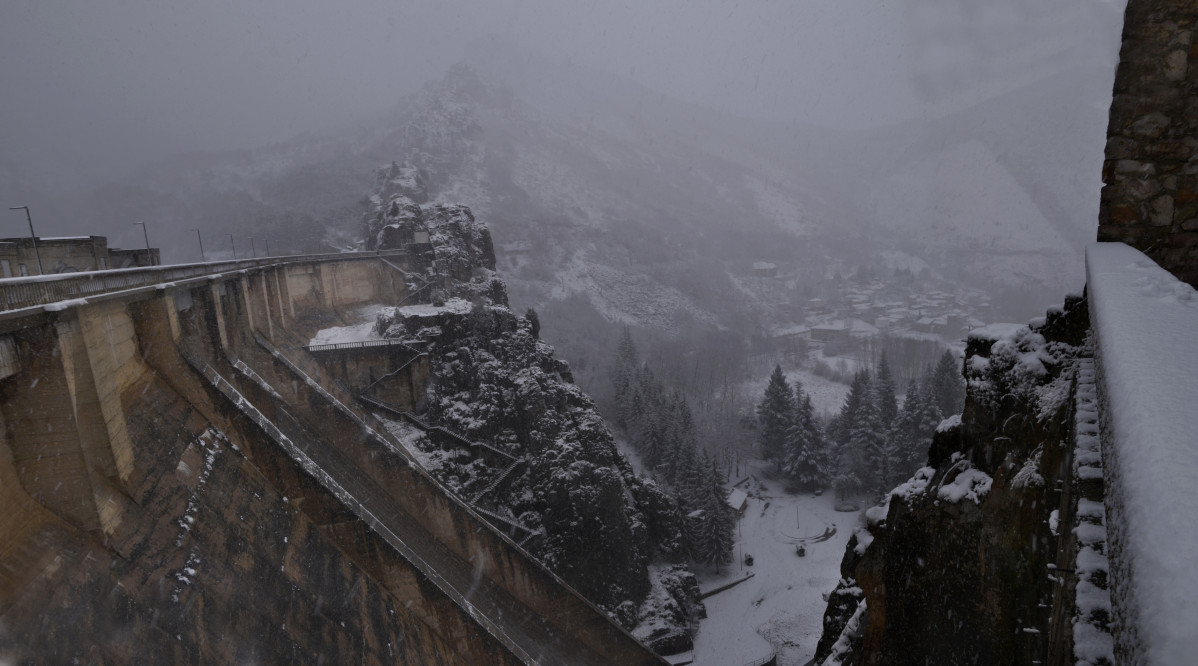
(955, 566)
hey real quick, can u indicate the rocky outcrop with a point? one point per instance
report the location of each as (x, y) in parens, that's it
(554, 476)
(458, 246)
(955, 566)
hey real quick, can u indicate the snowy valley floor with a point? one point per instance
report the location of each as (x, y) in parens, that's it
(781, 608)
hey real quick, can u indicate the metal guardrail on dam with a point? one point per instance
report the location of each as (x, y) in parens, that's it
(24, 292)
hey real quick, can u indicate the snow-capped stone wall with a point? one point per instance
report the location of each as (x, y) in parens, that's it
(1144, 323)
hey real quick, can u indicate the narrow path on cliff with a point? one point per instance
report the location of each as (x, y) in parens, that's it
(781, 608)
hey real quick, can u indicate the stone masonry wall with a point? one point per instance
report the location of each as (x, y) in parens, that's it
(1150, 196)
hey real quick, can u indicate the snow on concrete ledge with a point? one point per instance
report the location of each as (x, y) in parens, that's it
(1144, 321)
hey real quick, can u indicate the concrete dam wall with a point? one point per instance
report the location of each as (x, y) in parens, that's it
(183, 480)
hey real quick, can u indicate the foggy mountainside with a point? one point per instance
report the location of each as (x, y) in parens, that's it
(616, 205)
(654, 208)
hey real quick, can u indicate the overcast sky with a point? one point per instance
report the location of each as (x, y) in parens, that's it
(109, 84)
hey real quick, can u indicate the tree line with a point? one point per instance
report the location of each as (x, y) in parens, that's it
(872, 444)
(661, 428)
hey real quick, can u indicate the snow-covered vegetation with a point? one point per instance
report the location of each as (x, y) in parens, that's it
(872, 444)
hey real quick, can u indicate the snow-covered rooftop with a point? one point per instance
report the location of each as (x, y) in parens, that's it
(736, 499)
(1144, 321)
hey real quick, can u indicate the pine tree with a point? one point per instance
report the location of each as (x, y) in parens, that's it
(627, 355)
(689, 481)
(905, 434)
(686, 422)
(948, 387)
(884, 392)
(717, 520)
(854, 439)
(653, 442)
(689, 493)
(688, 526)
(929, 418)
(775, 415)
(624, 370)
(868, 438)
(633, 409)
(679, 429)
(534, 323)
(824, 454)
(847, 480)
(842, 427)
(806, 463)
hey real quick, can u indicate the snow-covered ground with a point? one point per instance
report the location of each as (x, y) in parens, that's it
(359, 332)
(781, 608)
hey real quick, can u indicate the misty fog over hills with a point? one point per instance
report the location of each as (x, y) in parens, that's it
(626, 194)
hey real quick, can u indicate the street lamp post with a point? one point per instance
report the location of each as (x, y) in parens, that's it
(149, 255)
(253, 247)
(201, 240)
(233, 245)
(268, 247)
(32, 237)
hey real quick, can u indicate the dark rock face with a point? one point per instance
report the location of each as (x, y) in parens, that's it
(461, 244)
(954, 568)
(458, 245)
(842, 604)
